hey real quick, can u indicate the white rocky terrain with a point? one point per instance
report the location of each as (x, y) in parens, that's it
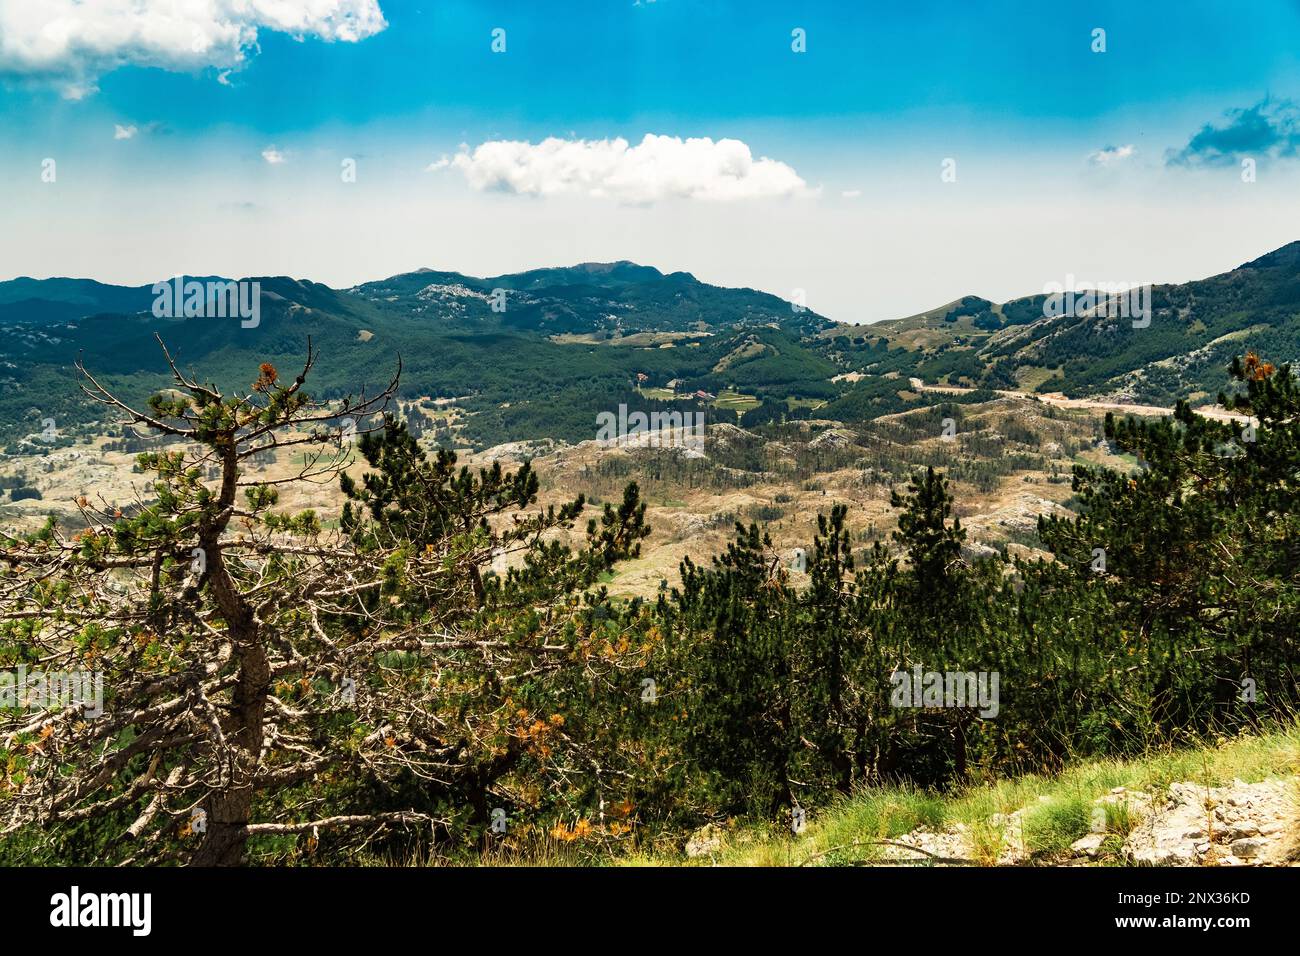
(1187, 824)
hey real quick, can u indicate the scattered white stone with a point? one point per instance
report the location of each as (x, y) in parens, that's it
(705, 841)
(1188, 825)
(1238, 825)
(1089, 845)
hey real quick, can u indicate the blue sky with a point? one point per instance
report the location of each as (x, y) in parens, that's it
(224, 155)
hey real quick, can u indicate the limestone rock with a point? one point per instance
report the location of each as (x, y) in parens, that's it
(706, 841)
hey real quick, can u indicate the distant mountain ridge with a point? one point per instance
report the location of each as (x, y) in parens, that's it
(539, 352)
(25, 299)
(537, 360)
(1195, 329)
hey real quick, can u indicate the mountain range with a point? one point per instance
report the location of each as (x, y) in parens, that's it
(539, 354)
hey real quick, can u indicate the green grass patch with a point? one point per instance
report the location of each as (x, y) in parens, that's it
(736, 401)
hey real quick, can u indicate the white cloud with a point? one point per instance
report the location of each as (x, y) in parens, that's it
(273, 156)
(75, 42)
(1111, 155)
(851, 193)
(660, 167)
(78, 90)
(124, 132)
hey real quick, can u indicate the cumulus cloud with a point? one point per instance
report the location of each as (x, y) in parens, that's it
(273, 156)
(124, 132)
(659, 167)
(1269, 129)
(1111, 155)
(74, 42)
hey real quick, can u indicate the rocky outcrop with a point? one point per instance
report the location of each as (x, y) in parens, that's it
(1242, 824)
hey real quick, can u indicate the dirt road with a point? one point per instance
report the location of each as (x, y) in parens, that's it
(1061, 401)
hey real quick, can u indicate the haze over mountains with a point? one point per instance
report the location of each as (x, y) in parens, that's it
(572, 341)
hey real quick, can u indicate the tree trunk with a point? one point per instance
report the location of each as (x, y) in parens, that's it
(959, 755)
(229, 810)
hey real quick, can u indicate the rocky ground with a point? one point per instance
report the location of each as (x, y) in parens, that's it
(1243, 824)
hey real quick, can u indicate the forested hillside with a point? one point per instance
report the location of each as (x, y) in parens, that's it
(539, 354)
(275, 691)
(1194, 329)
